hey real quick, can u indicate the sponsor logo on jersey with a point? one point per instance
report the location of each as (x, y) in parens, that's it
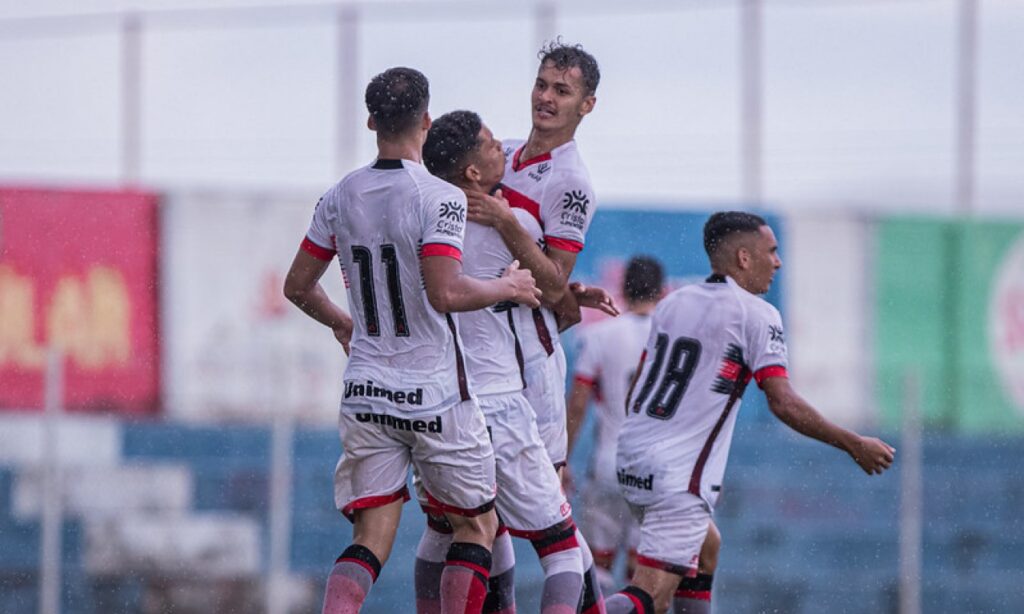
(636, 481)
(574, 208)
(372, 390)
(453, 211)
(537, 174)
(403, 424)
(776, 340)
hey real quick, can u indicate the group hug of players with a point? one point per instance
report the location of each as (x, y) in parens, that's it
(456, 251)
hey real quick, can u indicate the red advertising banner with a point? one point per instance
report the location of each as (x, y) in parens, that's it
(78, 270)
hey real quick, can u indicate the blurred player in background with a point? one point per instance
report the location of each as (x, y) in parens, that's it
(707, 341)
(604, 369)
(546, 177)
(462, 150)
(397, 232)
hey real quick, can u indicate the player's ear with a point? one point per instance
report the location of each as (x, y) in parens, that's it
(371, 123)
(426, 121)
(743, 257)
(471, 173)
(588, 104)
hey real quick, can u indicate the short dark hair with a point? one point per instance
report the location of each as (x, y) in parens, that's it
(452, 138)
(644, 279)
(723, 224)
(396, 99)
(569, 56)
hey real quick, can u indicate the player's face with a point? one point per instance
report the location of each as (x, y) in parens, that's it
(559, 98)
(489, 159)
(765, 260)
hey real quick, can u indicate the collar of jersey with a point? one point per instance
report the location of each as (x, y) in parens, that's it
(715, 278)
(387, 164)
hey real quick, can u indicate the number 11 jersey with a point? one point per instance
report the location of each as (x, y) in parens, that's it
(381, 220)
(707, 341)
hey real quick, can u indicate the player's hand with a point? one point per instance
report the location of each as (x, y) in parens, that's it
(488, 210)
(872, 454)
(343, 334)
(524, 288)
(594, 298)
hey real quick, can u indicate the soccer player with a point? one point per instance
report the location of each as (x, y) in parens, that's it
(462, 150)
(397, 232)
(545, 176)
(604, 369)
(707, 341)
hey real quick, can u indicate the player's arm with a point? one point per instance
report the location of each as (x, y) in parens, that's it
(450, 290)
(551, 271)
(873, 455)
(576, 407)
(302, 287)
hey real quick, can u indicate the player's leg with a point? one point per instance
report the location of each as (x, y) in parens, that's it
(456, 466)
(673, 530)
(369, 488)
(603, 518)
(532, 503)
(501, 588)
(693, 595)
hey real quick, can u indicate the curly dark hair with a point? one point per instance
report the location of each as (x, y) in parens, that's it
(644, 279)
(396, 99)
(723, 224)
(450, 141)
(565, 56)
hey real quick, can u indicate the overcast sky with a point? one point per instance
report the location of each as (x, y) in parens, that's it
(859, 96)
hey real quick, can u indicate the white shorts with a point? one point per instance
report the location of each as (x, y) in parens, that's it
(530, 496)
(672, 531)
(545, 390)
(451, 452)
(606, 520)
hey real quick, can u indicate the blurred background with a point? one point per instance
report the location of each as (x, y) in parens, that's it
(167, 421)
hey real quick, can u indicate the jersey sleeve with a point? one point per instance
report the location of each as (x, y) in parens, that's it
(444, 223)
(587, 367)
(567, 211)
(767, 345)
(319, 241)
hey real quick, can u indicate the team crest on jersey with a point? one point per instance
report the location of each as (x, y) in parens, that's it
(574, 208)
(538, 174)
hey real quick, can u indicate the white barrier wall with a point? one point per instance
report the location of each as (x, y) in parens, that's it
(233, 345)
(829, 324)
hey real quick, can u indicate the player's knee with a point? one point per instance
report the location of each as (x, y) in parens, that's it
(709, 550)
(479, 529)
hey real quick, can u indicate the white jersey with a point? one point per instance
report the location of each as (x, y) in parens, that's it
(494, 357)
(380, 220)
(608, 356)
(555, 190)
(707, 340)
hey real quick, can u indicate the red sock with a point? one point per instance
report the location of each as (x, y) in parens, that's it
(464, 579)
(354, 573)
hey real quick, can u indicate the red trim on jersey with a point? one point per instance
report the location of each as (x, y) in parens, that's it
(730, 370)
(772, 371)
(518, 200)
(560, 546)
(518, 166)
(374, 501)
(441, 249)
(460, 366)
(564, 244)
(542, 331)
(585, 381)
(698, 595)
(316, 251)
(698, 468)
(461, 511)
(518, 348)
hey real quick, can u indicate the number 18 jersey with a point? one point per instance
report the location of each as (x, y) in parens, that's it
(707, 341)
(380, 220)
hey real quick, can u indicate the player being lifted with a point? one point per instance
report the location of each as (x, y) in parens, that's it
(546, 177)
(397, 232)
(707, 341)
(462, 150)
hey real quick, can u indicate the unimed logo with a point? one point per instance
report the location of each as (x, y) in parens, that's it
(372, 390)
(636, 481)
(403, 424)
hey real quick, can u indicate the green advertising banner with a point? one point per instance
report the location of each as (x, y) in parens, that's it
(950, 311)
